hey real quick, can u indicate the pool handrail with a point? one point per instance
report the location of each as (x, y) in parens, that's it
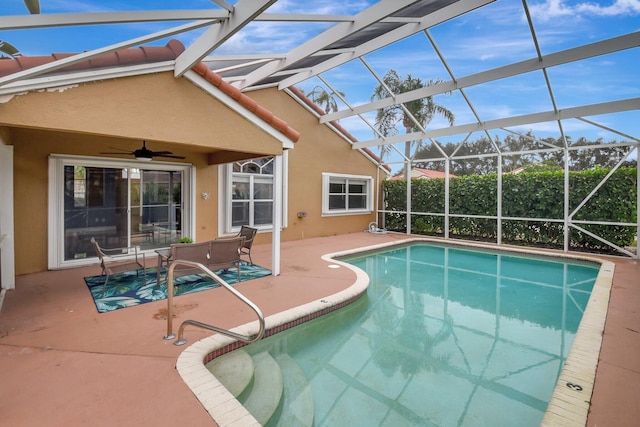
(181, 341)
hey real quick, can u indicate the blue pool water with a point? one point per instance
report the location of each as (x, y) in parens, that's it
(444, 337)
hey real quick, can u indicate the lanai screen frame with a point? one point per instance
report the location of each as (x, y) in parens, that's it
(346, 38)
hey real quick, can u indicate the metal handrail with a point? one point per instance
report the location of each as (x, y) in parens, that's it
(180, 341)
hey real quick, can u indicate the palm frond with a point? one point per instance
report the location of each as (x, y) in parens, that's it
(9, 49)
(33, 6)
(416, 114)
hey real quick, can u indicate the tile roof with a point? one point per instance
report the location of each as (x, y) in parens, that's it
(150, 54)
(297, 92)
(132, 56)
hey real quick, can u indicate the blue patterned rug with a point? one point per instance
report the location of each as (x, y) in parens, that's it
(128, 289)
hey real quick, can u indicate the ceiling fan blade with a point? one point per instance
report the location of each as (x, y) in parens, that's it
(143, 153)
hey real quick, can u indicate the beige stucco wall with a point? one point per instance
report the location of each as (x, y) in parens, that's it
(209, 122)
(156, 107)
(318, 150)
(31, 153)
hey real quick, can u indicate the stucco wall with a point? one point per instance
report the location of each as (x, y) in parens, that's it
(31, 152)
(155, 107)
(318, 150)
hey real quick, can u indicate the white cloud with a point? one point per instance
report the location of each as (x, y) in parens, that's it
(327, 7)
(551, 9)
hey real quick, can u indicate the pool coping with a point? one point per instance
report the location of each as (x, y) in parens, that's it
(571, 398)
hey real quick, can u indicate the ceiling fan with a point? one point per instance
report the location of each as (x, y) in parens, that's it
(145, 154)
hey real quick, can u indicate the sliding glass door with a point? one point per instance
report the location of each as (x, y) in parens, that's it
(119, 205)
(157, 214)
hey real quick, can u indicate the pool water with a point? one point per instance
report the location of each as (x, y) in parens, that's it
(444, 336)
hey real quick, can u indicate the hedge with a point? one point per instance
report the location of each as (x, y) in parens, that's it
(525, 195)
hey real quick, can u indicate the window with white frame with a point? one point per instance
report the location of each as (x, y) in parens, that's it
(249, 190)
(252, 195)
(346, 194)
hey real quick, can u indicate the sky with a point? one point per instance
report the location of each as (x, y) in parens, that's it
(489, 37)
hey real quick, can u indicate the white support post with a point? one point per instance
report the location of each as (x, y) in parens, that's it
(277, 215)
(566, 199)
(499, 201)
(7, 248)
(447, 178)
(408, 178)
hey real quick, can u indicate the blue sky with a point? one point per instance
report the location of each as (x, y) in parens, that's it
(492, 36)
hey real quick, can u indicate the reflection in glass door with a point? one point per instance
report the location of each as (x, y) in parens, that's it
(120, 207)
(157, 215)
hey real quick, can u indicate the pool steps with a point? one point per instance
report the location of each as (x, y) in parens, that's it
(264, 399)
(273, 389)
(234, 370)
(297, 397)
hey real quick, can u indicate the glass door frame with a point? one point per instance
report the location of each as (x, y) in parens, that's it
(56, 233)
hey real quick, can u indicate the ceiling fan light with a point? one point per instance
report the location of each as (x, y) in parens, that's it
(143, 158)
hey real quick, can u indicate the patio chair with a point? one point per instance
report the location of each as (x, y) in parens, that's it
(120, 262)
(249, 233)
(195, 252)
(225, 254)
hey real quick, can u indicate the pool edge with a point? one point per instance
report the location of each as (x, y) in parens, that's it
(216, 399)
(569, 404)
(571, 399)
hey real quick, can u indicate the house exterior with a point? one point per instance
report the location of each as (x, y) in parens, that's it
(69, 171)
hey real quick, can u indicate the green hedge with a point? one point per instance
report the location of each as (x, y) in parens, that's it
(532, 195)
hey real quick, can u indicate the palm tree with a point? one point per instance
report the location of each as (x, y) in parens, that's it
(33, 6)
(423, 110)
(320, 97)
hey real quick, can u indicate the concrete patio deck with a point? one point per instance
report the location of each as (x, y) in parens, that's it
(62, 363)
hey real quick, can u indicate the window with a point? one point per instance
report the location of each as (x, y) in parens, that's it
(346, 194)
(249, 190)
(252, 193)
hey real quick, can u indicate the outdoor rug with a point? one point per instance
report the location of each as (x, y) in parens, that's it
(127, 289)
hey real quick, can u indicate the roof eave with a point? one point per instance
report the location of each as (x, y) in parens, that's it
(67, 78)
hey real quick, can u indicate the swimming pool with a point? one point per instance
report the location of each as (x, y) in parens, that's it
(440, 338)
